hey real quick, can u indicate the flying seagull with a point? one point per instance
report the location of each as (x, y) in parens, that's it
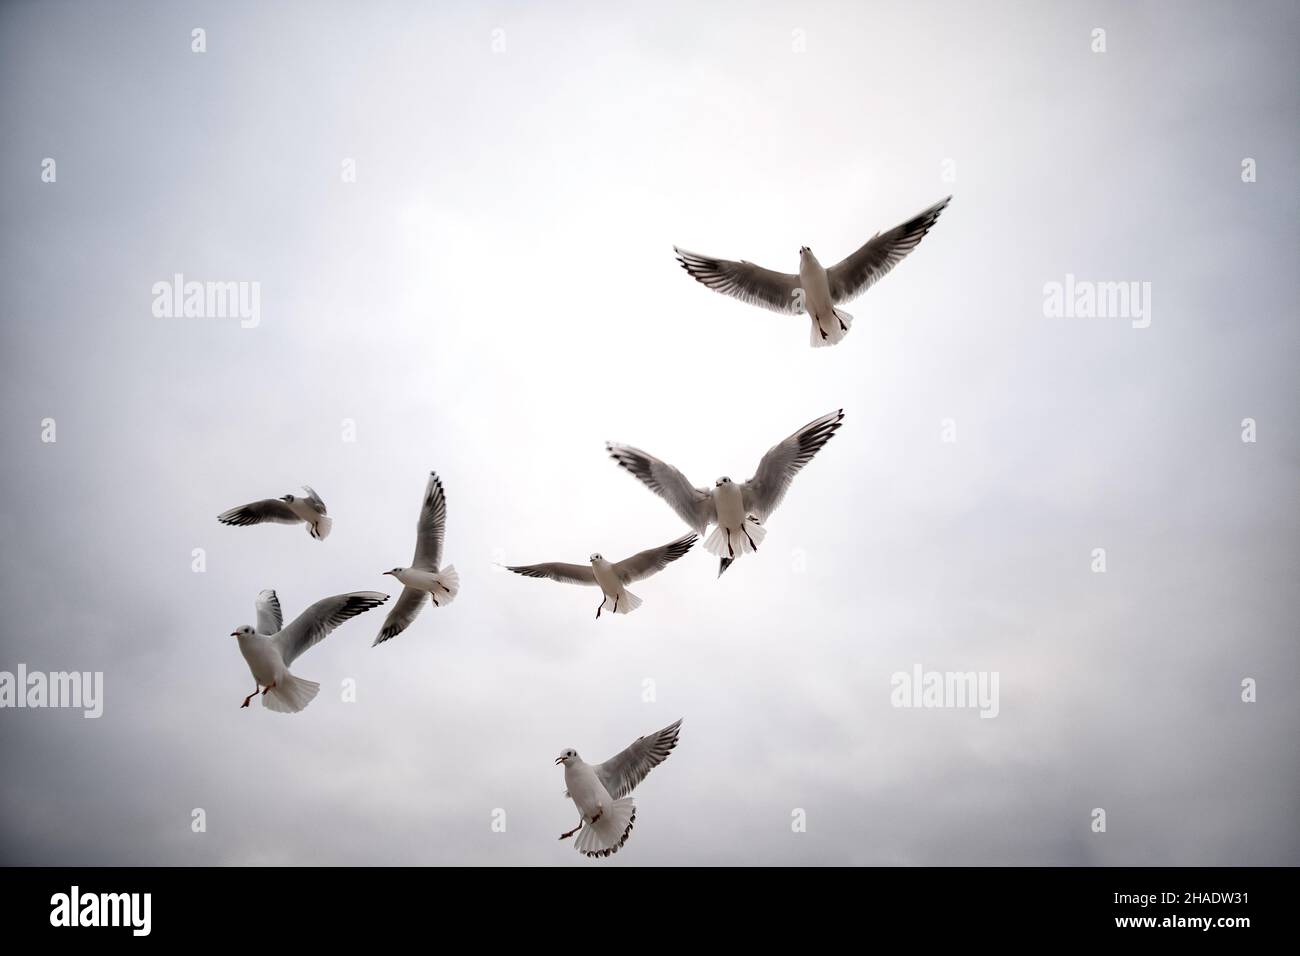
(600, 791)
(289, 509)
(738, 509)
(423, 578)
(271, 648)
(612, 578)
(816, 290)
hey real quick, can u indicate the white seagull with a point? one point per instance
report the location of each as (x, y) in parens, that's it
(289, 509)
(271, 648)
(611, 578)
(816, 290)
(600, 791)
(423, 578)
(738, 509)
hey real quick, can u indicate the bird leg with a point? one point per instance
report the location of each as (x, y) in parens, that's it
(615, 603)
(600, 812)
(751, 540)
(843, 327)
(822, 331)
(599, 606)
(565, 836)
(249, 697)
(270, 686)
(731, 552)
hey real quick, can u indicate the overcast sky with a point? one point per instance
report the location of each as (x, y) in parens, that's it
(496, 296)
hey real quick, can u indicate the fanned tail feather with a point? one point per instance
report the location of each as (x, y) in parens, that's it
(627, 603)
(447, 586)
(290, 695)
(835, 330)
(608, 834)
(740, 541)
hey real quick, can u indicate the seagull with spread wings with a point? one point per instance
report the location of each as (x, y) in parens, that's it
(600, 791)
(612, 577)
(816, 290)
(289, 509)
(738, 509)
(423, 579)
(271, 648)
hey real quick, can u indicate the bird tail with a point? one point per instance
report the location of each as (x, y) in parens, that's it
(446, 586)
(835, 330)
(321, 529)
(627, 603)
(610, 832)
(290, 694)
(738, 542)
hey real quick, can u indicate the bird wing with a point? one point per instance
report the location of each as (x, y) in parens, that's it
(694, 505)
(256, 512)
(860, 271)
(621, 773)
(403, 612)
(431, 526)
(314, 624)
(744, 281)
(315, 499)
(652, 561)
(557, 571)
(764, 491)
(269, 617)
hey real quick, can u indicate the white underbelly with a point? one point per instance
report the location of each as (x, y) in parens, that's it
(263, 659)
(730, 505)
(609, 581)
(817, 296)
(588, 793)
(421, 580)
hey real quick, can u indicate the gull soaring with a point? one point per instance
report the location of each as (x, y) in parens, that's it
(816, 290)
(600, 791)
(289, 509)
(423, 578)
(271, 648)
(612, 578)
(738, 509)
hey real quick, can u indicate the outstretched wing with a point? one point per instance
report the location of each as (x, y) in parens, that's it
(315, 623)
(764, 491)
(744, 281)
(859, 272)
(652, 561)
(694, 505)
(269, 617)
(557, 571)
(405, 609)
(620, 774)
(315, 499)
(257, 512)
(431, 526)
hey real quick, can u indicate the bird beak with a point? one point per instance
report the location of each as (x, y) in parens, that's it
(388, 572)
(559, 760)
(234, 633)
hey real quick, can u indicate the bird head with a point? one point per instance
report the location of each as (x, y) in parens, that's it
(395, 571)
(804, 251)
(288, 499)
(595, 557)
(567, 756)
(724, 480)
(244, 631)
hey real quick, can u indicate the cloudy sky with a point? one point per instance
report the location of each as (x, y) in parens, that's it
(495, 296)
